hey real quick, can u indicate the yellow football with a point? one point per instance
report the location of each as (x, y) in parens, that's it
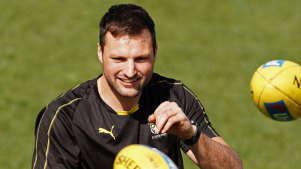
(137, 156)
(276, 90)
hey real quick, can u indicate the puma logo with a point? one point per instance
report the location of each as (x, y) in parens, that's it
(102, 130)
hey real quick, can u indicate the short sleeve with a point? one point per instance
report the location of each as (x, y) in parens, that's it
(55, 145)
(195, 111)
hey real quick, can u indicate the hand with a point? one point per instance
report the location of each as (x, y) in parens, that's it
(169, 118)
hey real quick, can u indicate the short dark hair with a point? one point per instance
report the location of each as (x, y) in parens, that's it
(126, 19)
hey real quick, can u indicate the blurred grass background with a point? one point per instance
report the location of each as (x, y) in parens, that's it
(47, 47)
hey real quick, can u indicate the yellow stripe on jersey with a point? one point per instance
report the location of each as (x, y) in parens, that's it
(133, 110)
(165, 81)
(52, 121)
(36, 146)
(206, 120)
(66, 92)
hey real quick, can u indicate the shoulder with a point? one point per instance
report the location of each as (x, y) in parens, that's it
(72, 95)
(162, 81)
(171, 85)
(176, 90)
(64, 106)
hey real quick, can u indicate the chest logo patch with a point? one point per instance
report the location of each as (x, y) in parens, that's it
(102, 130)
(155, 135)
(152, 127)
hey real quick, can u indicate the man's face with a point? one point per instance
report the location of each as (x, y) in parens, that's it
(128, 63)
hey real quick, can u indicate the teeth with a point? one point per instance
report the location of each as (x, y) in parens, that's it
(128, 81)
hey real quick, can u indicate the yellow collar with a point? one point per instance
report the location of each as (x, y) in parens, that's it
(133, 110)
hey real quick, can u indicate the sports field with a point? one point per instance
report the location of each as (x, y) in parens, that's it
(47, 47)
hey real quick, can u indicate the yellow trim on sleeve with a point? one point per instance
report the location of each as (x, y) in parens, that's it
(48, 132)
(36, 145)
(133, 110)
(206, 120)
(172, 83)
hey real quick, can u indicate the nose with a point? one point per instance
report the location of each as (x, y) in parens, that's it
(130, 69)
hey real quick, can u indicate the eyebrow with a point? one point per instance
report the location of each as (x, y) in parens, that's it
(121, 56)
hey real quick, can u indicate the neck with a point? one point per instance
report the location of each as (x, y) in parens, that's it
(111, 98)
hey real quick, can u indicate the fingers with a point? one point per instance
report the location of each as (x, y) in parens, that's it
(168, 125)
(152, 118)
(163, 113)
(169, 118)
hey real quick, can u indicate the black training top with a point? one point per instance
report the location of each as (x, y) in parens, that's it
(79, 130)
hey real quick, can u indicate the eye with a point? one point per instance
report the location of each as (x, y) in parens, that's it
(141, 59)
(118, 59)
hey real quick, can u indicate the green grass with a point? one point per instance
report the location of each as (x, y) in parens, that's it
(47, 47)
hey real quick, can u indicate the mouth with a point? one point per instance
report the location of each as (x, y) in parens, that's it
(129, 82)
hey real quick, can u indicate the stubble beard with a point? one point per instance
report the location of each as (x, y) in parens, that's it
(120, 90)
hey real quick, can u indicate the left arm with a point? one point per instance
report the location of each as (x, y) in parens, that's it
(207, 153)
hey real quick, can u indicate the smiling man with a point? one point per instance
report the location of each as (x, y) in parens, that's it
(127, 104)
(128, 63)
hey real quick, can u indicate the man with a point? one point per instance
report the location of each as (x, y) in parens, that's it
(128, 104)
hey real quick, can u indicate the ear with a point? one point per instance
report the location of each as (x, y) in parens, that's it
(99, 52)
(156, 48)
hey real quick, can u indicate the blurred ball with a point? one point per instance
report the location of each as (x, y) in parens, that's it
(137, 156)
(276, 90)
